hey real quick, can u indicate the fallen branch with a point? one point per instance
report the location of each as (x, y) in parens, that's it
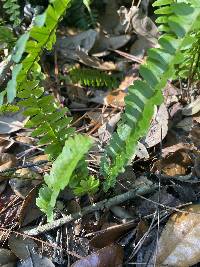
(104, 204)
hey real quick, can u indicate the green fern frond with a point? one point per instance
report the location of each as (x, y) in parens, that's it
(180, 20)
(94, 78)
(41, 36)
(12, 9)
(61, 172)
(49, 120)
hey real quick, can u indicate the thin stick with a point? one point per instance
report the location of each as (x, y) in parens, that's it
(105, 204)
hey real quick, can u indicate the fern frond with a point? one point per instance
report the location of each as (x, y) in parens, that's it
(41, 36)
(94, 78)
(61, 172)
(50, 122)
(180, 20)
(12, 9)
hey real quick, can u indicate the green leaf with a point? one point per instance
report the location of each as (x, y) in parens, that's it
(20, 47)
(88, 186)
(180, 22)
(61, 171)
(12, 84)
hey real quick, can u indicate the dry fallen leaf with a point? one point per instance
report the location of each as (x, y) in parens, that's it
(37, 261)
(159, 127)
(195, 135)
(135, 21)
(174, 164)
(27, 181)
(21, 246)
(67, 46)
(110, 256)
(5, 142)
(192, 108)
(11, 122)
(7, 258)
(26, 217)
(107, 236)
(6, 161)
(179, 242)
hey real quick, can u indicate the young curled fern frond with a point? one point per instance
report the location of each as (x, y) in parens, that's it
(178, 21)
(94, 78)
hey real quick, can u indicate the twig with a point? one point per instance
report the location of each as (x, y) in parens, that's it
(105, 204)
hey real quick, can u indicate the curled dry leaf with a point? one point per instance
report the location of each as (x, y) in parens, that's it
(135, 21)
(27, 181)
(94, 62)
(179, 242)
(173, 148)
(110, 256)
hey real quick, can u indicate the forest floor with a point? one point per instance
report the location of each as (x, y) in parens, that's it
(152, 214)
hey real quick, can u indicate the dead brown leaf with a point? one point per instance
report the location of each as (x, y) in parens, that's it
(36, 260)
(174, 164)
(159, 127)
(7, 258)
(6, 161)
(107, 236)
(25, 216)
(195, 135)
(5, 142)
(21, 246)
(179, 242)
(110, 256)
(11, 122)
(192, 108)
(27, 181)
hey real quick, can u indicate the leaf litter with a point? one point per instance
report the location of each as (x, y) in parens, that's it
(169, 154)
